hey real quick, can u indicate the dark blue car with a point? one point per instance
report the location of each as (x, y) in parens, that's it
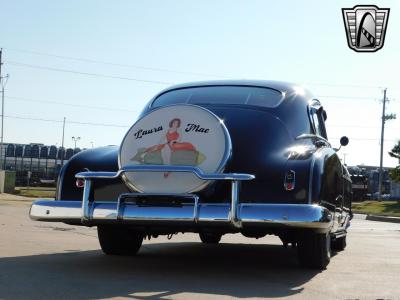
(216, 157)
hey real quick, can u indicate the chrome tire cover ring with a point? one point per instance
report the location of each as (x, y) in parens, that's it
(180, 134)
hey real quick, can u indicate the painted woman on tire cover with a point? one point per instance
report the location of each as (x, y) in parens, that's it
(171, 142)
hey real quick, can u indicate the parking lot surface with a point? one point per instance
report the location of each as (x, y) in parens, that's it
(56, 261)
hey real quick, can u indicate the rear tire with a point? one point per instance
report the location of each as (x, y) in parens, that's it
(119, 240)
(210, 238)
(314, 250)
(339, 244)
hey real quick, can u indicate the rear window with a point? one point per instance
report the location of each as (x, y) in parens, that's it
(257, 96)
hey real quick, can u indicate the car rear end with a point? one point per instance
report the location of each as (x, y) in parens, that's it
(231, 173)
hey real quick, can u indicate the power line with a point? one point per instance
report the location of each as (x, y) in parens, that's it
(344, 97)
(104, 108)
(113, 64)
(127, 126)
(358, 126)
(85, 73)
(136, 111)
(64, 57)
(362, 139)
(18, 64)
(71, 104)
(70, 122)
(342, 85)
(54, 102)
(150, 69)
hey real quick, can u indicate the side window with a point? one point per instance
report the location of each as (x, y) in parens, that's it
(321, 122)
(316, 122)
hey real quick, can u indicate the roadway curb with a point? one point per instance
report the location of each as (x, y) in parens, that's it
(13, 197)
(359, 216)
(383, 219)
(376, 218)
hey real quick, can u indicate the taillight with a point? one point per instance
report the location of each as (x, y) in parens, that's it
(290, 180)
(80, 182)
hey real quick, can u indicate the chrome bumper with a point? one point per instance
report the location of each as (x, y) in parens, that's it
(202, 214)
(188, 212)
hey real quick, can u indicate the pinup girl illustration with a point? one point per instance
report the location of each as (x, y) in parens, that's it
(170, 150)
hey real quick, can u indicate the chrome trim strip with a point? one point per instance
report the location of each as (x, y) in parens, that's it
(310, 179)
(340, 234)
(248, 214)
(233, 216)
(85, 201)
(46, 210)
(298, 215)
(313, 136)
(162, 168)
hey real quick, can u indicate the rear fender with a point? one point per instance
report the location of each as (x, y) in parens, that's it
(326, 183)
(97, 159)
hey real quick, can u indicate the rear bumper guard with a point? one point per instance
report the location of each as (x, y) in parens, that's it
(188, 212)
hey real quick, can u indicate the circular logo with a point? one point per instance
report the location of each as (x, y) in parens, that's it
(175, 135)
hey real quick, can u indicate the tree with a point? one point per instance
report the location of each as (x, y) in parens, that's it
(395, 173)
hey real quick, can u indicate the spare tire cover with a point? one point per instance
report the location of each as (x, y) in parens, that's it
(182, 134)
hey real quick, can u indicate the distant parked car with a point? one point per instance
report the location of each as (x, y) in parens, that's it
(249, 157)
(359, 186)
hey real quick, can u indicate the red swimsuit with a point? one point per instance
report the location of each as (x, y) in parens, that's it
(172, 136)
(174, 146)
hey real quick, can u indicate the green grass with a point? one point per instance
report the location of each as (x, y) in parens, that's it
(381, 208)
(36, 192)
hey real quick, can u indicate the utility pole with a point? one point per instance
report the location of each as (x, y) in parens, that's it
(62, 145)
(2, 108)
(3, 84)
(384, 118)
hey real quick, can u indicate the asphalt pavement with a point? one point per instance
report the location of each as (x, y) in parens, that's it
(56, 261)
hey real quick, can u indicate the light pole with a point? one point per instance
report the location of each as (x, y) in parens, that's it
(75, 139)
(62, 145)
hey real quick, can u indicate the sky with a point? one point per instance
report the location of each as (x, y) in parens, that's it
(97, 63)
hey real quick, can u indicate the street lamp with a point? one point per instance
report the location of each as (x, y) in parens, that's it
(75, 139)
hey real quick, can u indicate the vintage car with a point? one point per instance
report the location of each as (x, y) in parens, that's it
(216, 157)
